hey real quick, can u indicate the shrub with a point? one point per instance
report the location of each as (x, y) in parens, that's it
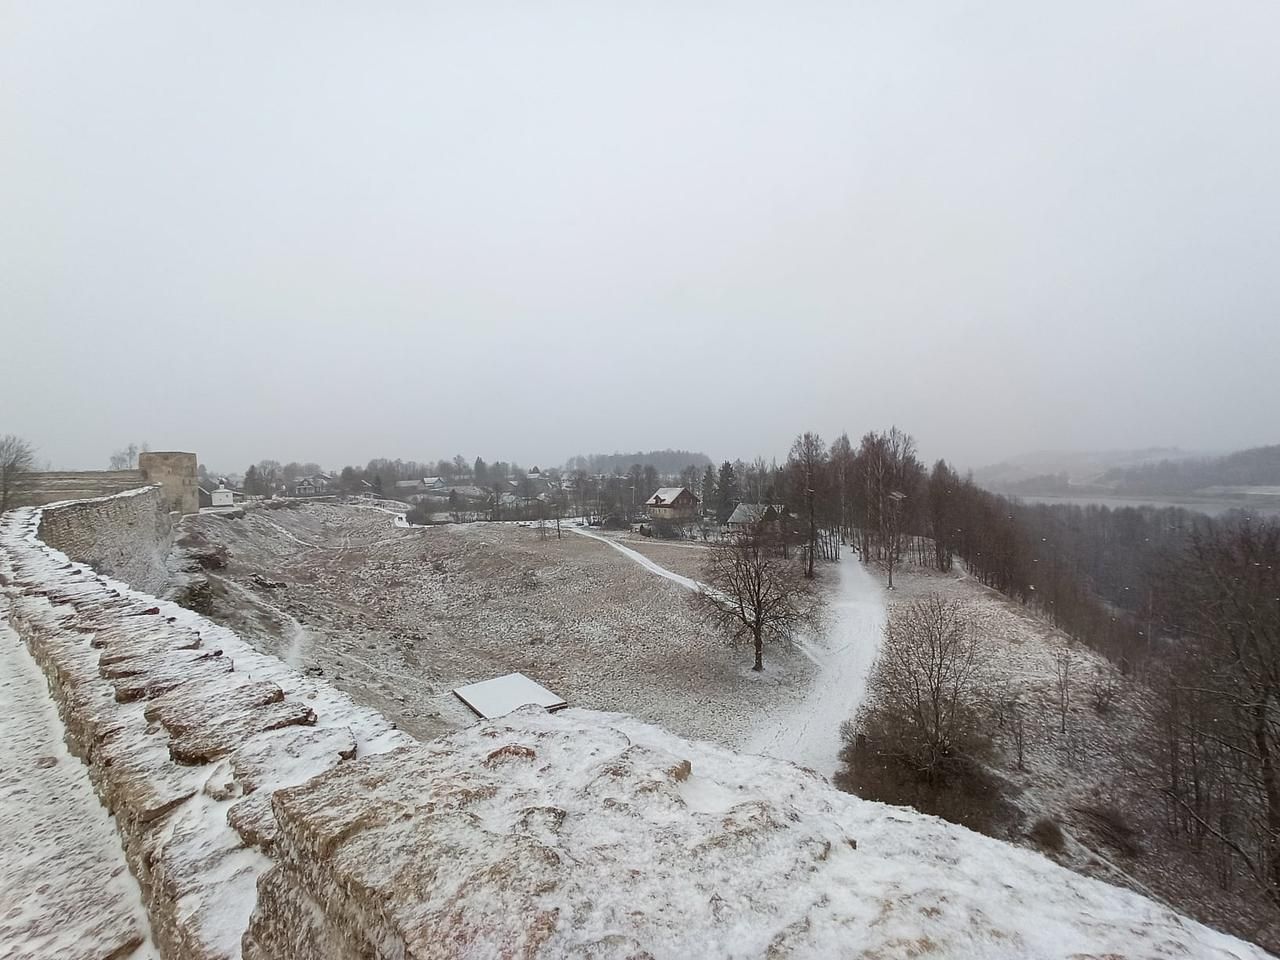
(1047, 835)
(1113, 828)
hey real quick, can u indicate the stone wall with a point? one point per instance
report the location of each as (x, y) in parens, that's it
(126, 536)
(40, 488)
(185, 730)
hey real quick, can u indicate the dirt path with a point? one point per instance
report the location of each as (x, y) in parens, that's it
(64, 888)
(807, 732)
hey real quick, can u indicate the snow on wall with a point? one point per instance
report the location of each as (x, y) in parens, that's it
(586, 834)
(126, 536)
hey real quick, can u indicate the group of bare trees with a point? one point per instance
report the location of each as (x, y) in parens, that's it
(16, 460)
(1221, 699)
(127, 459)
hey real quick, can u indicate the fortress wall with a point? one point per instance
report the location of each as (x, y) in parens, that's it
(126, 536)
(186, 731)
(41, 488)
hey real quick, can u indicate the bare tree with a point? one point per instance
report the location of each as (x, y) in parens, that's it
(16, 459)
(808, 461)
(754, 593)
(924, 692)
(1062, 685)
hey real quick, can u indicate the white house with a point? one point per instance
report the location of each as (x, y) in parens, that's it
(222, 497)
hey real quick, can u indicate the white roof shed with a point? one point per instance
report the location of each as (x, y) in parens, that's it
(501, 695)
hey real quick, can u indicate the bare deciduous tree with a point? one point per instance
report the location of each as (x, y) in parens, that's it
(808, 461)
(1062, 685)
(924, 692)
(16, 459)
(754, 593)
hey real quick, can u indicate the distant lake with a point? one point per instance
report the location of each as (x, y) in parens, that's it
(1270, 507)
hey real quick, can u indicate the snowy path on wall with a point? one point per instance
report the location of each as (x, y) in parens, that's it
(808, 732)
(64, 888)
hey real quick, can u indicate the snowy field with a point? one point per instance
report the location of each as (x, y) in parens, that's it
(399, 617)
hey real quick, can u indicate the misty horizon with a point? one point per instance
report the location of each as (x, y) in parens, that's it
(412, 232)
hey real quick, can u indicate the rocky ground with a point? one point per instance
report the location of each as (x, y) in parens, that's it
(400, 617)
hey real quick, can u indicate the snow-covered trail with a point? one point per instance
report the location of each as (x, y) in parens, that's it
(808, 732)
(641, 559)
(65, 890)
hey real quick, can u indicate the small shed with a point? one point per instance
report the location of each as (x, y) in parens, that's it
(501, 695)
(222, 497)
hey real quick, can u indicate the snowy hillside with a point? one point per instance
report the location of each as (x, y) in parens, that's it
(595, 835)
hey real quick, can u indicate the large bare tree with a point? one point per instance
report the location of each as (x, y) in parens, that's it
(16, 459)
(808, 461)
(754, 593)
(923, 694)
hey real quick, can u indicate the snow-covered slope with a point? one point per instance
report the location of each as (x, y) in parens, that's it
(587, 834)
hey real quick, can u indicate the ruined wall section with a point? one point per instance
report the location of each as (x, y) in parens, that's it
(175, 472)
(126, 536)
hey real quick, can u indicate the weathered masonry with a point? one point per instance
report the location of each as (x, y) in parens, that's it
(173, 471)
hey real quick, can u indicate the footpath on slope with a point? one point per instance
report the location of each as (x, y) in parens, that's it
(65, 889)
(808, 732)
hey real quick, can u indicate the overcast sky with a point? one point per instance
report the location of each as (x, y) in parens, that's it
(336, 231)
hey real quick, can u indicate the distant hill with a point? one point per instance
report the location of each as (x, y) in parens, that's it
(666, 462)
(1255, 467)
(1138, 473)
(1050, 467)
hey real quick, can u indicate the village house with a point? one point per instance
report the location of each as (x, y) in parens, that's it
(672, 503)
(748, 516)
(311, 486)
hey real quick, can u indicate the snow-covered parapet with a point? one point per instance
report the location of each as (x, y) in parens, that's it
(186, 732)
(583, 834)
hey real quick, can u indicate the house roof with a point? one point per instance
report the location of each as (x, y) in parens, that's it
(666, 495)
(755, 512)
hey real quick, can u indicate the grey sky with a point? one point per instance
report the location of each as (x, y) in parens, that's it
(528, 230)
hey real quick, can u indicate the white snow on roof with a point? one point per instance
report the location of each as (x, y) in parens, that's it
(501, 695)
(664, 496)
